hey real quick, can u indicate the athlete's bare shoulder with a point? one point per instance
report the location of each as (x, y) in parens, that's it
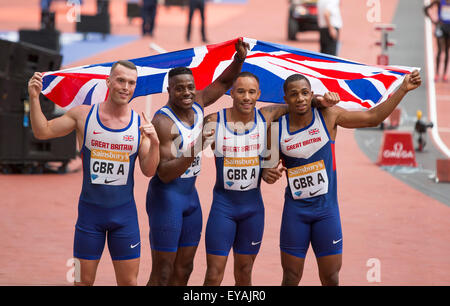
(79, 112)
(165, 127)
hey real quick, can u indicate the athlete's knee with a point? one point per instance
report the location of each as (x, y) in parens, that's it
(162, 270)
(85, 280)
(329, 268)
(243, 273)
(291, 277)
(292, 274)
(330, 278)
(213, 276)
(183, 271)
(129, 281)
(160, 276)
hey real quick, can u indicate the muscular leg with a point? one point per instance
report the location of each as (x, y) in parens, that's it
(126, 271)
(191, 13)
(292, 269)
(446, 51)
(440, 47)
(243, 266)
(183, 266)
(88, 270)
(329, 267)
(202, 15)
(215, 269)
(162, 268)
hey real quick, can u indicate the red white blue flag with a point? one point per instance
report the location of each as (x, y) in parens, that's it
(359, 86)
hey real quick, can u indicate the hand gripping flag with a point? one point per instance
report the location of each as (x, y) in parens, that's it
(359, 86)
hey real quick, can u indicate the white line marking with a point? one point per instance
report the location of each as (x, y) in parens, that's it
(157, 48)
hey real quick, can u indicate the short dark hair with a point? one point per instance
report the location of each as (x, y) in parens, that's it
(293, 78)
(125, 63)
(179, 70)
(247, 74)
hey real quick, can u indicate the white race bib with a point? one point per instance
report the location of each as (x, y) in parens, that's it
(194, 168)
(240, 173)
(308, 181)
(445, 13)
(109, 167)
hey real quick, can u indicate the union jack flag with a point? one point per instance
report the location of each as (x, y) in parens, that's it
(359, 86)
(128, 138)
(313, 131)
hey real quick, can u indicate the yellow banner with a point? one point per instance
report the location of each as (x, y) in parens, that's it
(110, 155)
(240, 161)
(306, 169)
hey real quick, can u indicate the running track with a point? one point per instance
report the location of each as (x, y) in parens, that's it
(382, 217)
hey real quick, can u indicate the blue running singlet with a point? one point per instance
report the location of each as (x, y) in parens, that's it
(173, 208)
(107, 207)
(237, 213)
(311, 213)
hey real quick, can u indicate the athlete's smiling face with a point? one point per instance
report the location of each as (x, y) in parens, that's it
(245, 92)
(298, 96)
(182, 90)
(121, 84)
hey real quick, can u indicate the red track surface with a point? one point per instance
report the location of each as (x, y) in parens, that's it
(382, 217)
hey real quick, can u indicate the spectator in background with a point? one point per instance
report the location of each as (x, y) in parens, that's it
(45, 5)
(102, 7)
(442, 34)
(194, 5)
(148, 16)
(47, 17)
(330, 22)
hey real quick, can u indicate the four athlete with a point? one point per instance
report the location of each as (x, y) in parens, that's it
(111, 136)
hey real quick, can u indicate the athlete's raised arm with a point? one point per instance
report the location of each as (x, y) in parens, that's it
(219, 87)
(376, 115)
(58, 127)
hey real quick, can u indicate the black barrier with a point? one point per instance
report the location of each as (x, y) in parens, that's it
(25, 58)
(14, 93)
(133, 10)
(20, 151)
(94, 24)
(46, 38)
(176, 2)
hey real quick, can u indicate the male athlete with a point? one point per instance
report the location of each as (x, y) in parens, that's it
(306, 142)
(173, 205)
(237, 213)
(110, 136)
